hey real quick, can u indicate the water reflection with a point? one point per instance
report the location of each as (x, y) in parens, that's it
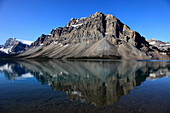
(95, 82)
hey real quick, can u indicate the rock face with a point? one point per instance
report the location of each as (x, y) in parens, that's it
(40, 40)
(164, 46)
(97, 36)
(13, 46)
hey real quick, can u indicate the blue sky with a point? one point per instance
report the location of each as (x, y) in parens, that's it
(28, 19)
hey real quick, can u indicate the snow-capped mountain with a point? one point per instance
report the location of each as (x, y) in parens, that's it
(165, 46)
(13, 46)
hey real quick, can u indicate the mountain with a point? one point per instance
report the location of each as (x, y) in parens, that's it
(13, 46)
(164, 46)
(97, 36)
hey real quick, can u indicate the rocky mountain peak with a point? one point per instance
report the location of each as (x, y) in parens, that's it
(73, 21)
(80, 36)
(41, 39)
(10, 42)
(97, 14)
(109, 16)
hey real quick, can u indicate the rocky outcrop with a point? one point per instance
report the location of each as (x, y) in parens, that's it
(97, 36)
(40, 40)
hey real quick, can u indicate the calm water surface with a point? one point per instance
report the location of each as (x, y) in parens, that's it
(84, 86)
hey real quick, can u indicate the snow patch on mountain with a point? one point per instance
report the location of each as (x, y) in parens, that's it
(25, 41)
(77, 25)
(6, 50)
(152, 42)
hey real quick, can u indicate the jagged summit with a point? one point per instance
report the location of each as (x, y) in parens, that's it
(98, 13)
(80, 36)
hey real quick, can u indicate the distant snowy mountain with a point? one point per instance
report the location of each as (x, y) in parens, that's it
(13, 46)
(165, 46)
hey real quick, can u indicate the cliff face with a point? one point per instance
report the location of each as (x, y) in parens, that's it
(40, 40)
(97, 36)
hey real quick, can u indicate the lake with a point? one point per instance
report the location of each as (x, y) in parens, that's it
(93, 86)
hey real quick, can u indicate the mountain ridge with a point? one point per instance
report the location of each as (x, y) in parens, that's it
(82, 38)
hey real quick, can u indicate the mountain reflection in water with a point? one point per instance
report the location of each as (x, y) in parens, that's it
(96, 82)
